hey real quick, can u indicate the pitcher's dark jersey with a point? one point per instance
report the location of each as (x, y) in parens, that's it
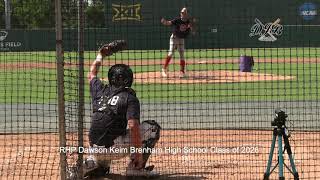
(112, 108)
(181, 29)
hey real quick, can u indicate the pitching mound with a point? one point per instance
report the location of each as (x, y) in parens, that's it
(207, 77)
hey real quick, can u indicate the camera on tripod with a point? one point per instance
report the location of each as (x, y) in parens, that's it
(282, 134)
(279, 119)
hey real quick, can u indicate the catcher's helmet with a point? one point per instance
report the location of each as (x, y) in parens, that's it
(120, 75)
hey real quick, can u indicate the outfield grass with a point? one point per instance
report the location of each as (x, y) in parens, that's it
(39, 85)
(303, 87)
(49, 56)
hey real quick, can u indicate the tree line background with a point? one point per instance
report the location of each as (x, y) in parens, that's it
(37, 14)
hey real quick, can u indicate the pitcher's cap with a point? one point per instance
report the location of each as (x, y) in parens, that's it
(184, 10)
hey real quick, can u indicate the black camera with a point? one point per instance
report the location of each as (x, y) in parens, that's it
(279, 119)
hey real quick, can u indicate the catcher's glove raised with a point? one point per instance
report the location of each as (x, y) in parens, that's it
(113, 47)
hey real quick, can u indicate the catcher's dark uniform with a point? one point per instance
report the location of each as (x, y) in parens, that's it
(112, 107)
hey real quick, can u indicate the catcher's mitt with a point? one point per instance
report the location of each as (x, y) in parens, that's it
(113, 47)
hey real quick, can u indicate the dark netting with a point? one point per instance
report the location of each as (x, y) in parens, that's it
(225, 83)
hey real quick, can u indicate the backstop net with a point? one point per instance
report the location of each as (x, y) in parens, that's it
(233, 97)
(28, 85)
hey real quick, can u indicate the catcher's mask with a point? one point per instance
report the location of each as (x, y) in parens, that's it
(120, 75)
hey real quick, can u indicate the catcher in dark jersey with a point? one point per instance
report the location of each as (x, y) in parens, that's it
(116, 107)
(181, 29)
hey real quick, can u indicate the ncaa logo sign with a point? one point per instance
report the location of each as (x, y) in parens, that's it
(308, 11)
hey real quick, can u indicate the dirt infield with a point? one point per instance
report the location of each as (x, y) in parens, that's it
(207, 77)
(220, 76)
(192, 154)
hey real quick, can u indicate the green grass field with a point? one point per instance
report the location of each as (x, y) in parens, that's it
(46, 56)
(38, 85)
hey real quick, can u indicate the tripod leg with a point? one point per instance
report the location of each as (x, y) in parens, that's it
(280, 156)
(289, 151)
(267, 173)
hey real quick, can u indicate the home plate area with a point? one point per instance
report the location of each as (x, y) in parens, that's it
(217, 76)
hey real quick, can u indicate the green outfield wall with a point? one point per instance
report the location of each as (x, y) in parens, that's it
(219, 24)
